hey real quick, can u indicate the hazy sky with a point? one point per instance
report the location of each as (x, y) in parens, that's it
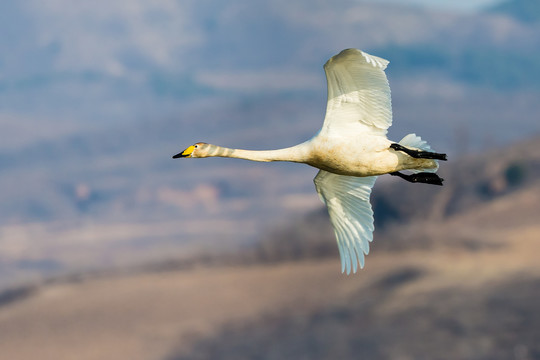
(464, 5)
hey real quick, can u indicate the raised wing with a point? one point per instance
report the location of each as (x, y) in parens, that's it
(347, 199)
(358, 94)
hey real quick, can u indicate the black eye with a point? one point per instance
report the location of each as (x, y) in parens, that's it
(196, 146)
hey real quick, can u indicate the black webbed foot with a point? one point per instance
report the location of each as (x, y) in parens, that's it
(418, 154)
(423, 177)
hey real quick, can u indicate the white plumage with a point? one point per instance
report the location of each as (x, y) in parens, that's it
(358, 94)
(351, 150)
(347, 199)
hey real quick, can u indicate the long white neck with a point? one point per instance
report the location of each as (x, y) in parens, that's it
(298, 153)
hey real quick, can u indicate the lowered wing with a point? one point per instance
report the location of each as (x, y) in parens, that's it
(347, 199)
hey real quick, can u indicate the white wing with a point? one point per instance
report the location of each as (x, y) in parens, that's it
(358, 94)
(347, 199)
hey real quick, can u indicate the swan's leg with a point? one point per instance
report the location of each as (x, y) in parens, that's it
(423, 177)
(418, 154)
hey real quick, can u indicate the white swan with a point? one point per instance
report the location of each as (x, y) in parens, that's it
(351, 150)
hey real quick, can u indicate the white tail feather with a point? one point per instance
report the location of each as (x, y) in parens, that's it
(415, 142)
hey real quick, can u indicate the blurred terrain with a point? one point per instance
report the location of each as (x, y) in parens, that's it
(87, 132)
(453, 274)
(109, 249)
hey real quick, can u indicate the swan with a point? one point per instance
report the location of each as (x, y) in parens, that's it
(350, 150)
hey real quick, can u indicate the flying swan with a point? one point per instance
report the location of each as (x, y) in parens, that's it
(350, 150)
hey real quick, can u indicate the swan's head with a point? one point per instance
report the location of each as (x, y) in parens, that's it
(198, 150)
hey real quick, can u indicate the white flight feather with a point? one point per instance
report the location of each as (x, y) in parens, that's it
(347, 200)
(358, 94)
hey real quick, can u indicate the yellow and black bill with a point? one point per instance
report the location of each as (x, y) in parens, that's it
(185, 153)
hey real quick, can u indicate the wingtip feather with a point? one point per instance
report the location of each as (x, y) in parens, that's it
(373, 60)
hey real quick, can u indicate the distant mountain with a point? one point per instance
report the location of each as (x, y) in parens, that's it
(484, 65)
(527, 11)
(132, 52)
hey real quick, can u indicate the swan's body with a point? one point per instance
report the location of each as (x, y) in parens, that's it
(351, 150)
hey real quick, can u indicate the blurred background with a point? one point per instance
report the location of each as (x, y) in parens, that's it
(109, 249)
